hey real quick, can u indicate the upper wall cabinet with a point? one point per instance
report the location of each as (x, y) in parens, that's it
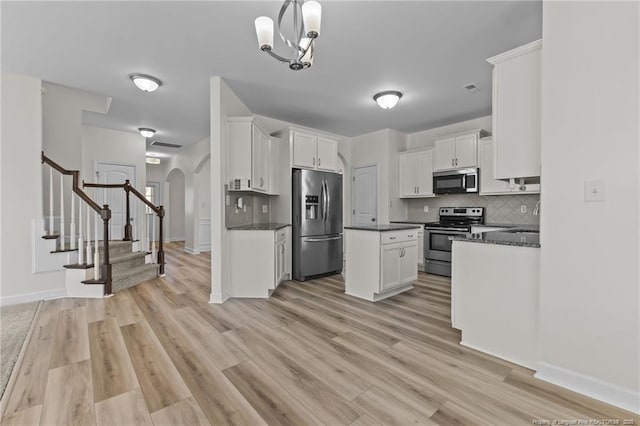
(458, 151)
(516, 111)
(252, 157)
(489, 185)
(416, 174)
(313, 151)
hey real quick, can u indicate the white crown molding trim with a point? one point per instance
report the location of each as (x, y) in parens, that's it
(513, 53)
(32, 297)
(590, 386)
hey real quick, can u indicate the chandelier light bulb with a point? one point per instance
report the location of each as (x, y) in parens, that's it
(146, 83)
(312, 17)
(264, 31)
(147, 132)
(387, 99)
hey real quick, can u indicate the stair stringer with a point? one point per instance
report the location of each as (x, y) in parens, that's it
(42, 260)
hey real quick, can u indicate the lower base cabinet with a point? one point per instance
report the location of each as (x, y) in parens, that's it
(380, 264)
(260, 260)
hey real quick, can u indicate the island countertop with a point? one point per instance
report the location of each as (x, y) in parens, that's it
(259, 227)
(381, 228)
(521, 236)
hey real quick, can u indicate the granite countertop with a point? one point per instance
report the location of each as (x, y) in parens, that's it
(259, 227)
(519, 236)
(381, 228)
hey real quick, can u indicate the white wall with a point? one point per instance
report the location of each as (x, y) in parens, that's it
(381, 148)
(426, 138)
(21, 192)
(590, 331)
(176, 205)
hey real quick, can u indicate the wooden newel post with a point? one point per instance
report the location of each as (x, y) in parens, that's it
(127, 228)
(105, 214)
(160, 243)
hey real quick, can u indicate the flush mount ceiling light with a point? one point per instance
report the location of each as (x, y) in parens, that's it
(146, 132)
(387, 99)
(303, 44)
(146, 83)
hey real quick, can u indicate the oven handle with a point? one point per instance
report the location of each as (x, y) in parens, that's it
(449, 230)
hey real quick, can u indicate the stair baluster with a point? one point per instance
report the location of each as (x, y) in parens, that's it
(153, 236)
(89, 250)
(51, 225)
(80, 239)
(72, 224)
(62, 237)
(96, 255)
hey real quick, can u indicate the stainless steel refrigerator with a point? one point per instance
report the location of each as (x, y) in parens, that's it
(317, 224)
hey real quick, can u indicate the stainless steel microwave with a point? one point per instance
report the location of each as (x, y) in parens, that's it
(460, 181)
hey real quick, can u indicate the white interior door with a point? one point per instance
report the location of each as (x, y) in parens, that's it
(364, 196)
(108, 173)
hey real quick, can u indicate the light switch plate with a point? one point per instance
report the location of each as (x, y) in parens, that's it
(227, 199)
(265, 209)
(523, 209)
(594, 190)
(426, 209)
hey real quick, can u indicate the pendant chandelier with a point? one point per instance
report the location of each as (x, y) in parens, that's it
(304, 33)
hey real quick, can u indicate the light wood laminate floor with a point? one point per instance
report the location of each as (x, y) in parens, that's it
(159, 354)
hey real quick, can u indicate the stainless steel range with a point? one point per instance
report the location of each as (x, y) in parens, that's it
(437, 239)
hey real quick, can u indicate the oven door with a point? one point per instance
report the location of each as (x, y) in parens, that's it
(437, 243)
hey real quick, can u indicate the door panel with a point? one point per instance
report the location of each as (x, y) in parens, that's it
(466, 151)
(445, 152)
(408, 173)
(327, 154)
(390, 266)
(425, 172)
(333, 223)
(408, 265)
(304, 150)
(308, 194)
(365, 196)
(319, 255)
(115, 197)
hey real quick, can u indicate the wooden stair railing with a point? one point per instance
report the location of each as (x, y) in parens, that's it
(105, 215)
(158, 210)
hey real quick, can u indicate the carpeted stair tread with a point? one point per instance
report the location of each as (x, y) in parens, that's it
(128, 256)
(135, 270)
(128, 278)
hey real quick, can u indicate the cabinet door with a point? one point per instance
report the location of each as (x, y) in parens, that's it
(489, 185)
(425, 172)
(274, 166)
(264, 162)
(280, 262)
(257, 162)
(445, 154)
(466, 151)
(304, 150)
(327, 154)
(390, 274)
(408, 174)
(408, 269)
(421, 249)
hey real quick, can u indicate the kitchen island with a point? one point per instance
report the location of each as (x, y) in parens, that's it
(382, 260)
(495, 285)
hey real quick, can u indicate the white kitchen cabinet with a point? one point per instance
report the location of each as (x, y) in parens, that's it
(313, 151)
(380, 264)
(420, 248)
(457, 151)
(250, 155)
(416, 174)
(516, 111)
(259, 260)
(489, 185)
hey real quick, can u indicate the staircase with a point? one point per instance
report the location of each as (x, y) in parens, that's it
(98, 266)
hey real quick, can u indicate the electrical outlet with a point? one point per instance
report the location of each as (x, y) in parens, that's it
(227, 199)
(426, 209)
(265, 209)
(244, 208)
(523, 209)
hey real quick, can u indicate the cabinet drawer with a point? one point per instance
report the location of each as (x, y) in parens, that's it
(398, 237)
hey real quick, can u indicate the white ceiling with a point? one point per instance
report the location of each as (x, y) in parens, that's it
(428, 50)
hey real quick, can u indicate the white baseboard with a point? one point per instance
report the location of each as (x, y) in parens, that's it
(217, 298)
(32, 297)
(191, 250)
(590, 386)
(205, 247)
(172, 239)
(523, 363)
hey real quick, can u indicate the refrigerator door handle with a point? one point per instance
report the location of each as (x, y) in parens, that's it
(319, 240)
(324, 201)
(328, 199)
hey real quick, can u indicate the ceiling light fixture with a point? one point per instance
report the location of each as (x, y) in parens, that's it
(152, 160)
(146, 132)
(146, 83)
(303, 44)
(387, 99)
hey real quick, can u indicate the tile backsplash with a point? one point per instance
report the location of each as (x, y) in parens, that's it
(249, 215)
(504, 209)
